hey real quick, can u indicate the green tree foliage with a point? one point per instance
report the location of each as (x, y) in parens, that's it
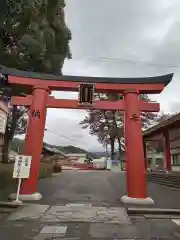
(16, 125)
(16, 145)
(72, 149)
(108, 126)
(88, 159)
(33, 37)
(163, 117)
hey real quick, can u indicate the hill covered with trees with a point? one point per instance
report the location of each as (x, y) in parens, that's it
(17, 146)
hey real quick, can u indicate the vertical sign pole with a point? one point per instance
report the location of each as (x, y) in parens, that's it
(106, 155)
(21, 171)
(18, 190)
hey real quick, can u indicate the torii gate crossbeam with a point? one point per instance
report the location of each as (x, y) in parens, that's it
(73, 104)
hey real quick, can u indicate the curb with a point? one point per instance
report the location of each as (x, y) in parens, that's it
(9, 205)
(153, 211)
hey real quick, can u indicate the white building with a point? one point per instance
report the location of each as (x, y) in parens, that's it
(79, 157)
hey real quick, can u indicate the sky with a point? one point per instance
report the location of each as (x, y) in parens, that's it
(117, 38)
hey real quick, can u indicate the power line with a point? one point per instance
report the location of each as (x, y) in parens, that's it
(124, 61)
(47, 129)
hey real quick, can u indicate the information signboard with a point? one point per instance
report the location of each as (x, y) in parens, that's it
(21, 171)
(22, 166)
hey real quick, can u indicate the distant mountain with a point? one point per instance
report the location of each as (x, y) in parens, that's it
(71, 149)
(104, 154)
(17, 146)
(99, 154)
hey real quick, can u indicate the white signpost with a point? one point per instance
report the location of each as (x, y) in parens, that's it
(109, 163)
(21, 171)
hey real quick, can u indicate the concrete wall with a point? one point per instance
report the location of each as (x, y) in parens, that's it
(156, 155)
(81, 159)
(176, 168)
(99, 163)
(155, 160)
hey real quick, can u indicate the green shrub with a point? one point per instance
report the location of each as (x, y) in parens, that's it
(9, 185)
(57, 168)
(46, 170)
(6, 179)
(6, 173)
(54, 158)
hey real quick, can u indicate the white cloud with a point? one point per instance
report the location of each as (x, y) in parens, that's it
(137, 30)
(65, 130)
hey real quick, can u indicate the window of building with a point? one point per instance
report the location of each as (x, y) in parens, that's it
(175, 159)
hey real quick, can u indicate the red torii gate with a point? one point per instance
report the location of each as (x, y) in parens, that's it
(39, 85)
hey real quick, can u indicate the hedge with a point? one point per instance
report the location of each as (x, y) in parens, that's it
(46, 170)
(6, 172)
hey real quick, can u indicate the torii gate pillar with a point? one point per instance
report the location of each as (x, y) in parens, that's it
(33, 143)
(135, 172)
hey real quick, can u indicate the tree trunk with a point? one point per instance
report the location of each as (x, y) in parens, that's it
(120, 159)
(5, 151)
(9, 134)
(118, 138)
(112, 148)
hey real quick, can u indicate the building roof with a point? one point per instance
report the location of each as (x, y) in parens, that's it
(165, 79)
(158, 128)
(52, 149)
(76, 154)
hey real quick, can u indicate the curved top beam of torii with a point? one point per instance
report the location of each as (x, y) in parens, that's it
(26, 80)
(165, 79)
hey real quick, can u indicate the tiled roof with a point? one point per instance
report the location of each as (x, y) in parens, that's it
(160, 126)
(51, 148)
(166, 79)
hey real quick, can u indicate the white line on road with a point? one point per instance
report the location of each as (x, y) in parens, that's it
(177, 221)
(54, 230)
(78, 205)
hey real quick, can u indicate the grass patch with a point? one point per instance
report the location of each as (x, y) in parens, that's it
(8, 184)
(46, 170)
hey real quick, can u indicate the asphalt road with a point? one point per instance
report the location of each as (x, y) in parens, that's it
(103, 188)
(93, 187)
(58, 216)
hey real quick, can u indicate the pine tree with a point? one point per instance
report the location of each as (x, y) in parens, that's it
(33, 37)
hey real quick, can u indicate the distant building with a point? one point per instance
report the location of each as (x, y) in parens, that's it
(49, 151)
(79, 157)
(168, 133)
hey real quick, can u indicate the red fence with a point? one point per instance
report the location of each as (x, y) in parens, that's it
(82, 166)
